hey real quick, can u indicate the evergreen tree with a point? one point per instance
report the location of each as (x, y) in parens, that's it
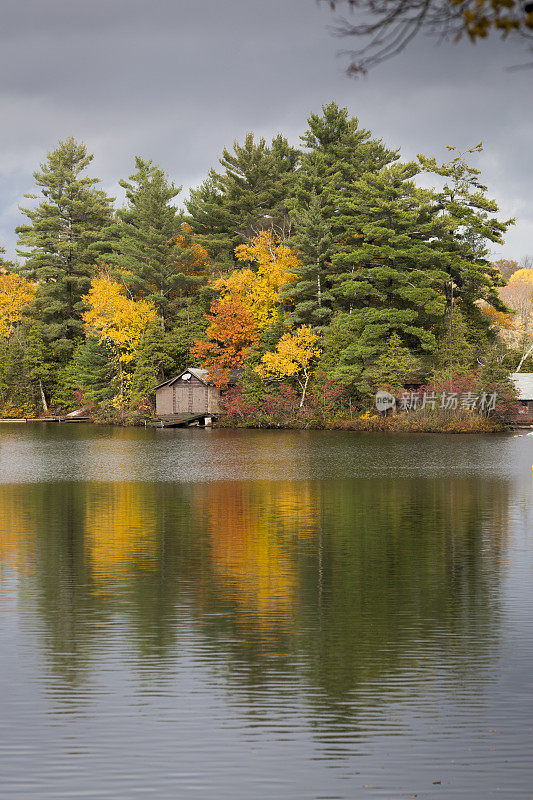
(387, 273)
(93, 371)
(469, 225)
(63, 242)
(394, 367)
(310, 292)
(338, 153)
(150, 247)
(5, 265)
(248, 195)
(38, 359)
(453, 352)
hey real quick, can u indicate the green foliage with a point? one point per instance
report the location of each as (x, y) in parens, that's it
(95, 371)
(62, 242)
(386, 273)
(338, 152)
(311, 290)
(144, 240)
(393, 369)
(453, 350)
(249, 194)
(469, 225)
(377, 264)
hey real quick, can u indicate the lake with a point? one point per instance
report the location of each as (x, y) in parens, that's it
(246, 615)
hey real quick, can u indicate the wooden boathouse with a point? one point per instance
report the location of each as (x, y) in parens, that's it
(523, 382)
(187, 396)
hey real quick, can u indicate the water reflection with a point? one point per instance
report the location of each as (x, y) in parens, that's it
(165, 634)
(343, 581)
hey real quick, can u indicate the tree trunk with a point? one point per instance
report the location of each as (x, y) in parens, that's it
(526, 355)
(43, 397)
(304, 390)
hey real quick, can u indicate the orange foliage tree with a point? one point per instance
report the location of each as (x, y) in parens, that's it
(199, 260)
(258, 289)
(232, 331)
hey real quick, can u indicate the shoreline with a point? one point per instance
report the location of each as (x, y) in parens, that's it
(477, 425)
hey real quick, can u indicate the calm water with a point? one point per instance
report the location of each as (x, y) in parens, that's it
(253, 615)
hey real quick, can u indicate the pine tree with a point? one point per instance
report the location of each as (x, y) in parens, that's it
(387, 272)
(92, 372)
(5, 265)
(394, 367)
(469, 228)
(248, 195)
(151, 249)
(338, 153)
(453, 352)
(63, 243)
(310, 292)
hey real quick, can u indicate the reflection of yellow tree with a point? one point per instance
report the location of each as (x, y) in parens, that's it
(250, 528)
(120, 528)
(16, 532)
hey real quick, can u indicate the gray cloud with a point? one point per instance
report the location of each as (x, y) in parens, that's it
(176, 80)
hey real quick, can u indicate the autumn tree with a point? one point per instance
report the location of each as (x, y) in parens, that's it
(118, 320)
(517, 333)
(294, 357)
(231, 333)
(384, 29)
(16, 293)
(506, 267)
(62, 242)
(258, 286)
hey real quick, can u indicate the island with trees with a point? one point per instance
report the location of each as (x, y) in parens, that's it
(318, 274)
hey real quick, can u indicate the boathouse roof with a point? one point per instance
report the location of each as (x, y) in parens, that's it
(201, 374)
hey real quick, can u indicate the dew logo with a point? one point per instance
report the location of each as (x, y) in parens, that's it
(385, 400)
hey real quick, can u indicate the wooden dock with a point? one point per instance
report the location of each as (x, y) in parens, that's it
(49, 419)
(182, 420)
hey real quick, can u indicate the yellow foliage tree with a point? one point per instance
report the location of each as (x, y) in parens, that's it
(294, 357)
(499, 319)
(517, 295)
(259, 290)
(521, 276)
(15, 294)
(117, 319)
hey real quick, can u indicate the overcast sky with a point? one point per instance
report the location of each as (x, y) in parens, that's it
(176, 80)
